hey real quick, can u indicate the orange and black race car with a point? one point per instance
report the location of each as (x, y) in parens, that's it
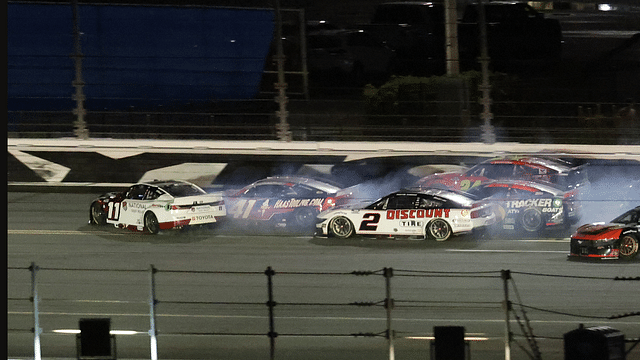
(617, 239)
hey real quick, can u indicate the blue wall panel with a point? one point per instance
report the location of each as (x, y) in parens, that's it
(140, 56)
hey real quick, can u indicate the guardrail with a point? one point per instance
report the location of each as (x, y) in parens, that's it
(505, 299)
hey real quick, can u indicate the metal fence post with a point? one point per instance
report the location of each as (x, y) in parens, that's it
(388, 305)
(282, 126)
(80, 124)
(152, 314)
(488, 134)
(506, 276)
(36, 314)
(271, 304)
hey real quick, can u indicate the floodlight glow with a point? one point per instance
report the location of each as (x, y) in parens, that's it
(605, 7)
(112, 332)
(466, 338)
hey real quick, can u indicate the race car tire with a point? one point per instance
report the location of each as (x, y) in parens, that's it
(531, 220)
(151, 223)
(304, 218)
(341, 227)
(438, 230)
(96, 215)
(628, 247)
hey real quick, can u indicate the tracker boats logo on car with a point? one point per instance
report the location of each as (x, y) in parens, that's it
(547, 203)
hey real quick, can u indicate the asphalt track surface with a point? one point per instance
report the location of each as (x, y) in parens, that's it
(212, 290)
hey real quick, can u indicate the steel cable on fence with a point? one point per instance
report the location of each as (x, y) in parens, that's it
(611, 317)
(399, 303)
(427, 273)
(528, 334)
(526, 328)
(617, 278)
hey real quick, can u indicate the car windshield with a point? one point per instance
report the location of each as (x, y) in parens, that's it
(630, 217)
(491, 171)
(182, 189)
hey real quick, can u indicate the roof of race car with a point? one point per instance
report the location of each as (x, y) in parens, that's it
(161, 183)
(449, 194)
(554, 164)
(525, 185)
(317, 184)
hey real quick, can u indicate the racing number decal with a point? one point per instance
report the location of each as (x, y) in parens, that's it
(237, 209)
(369, 222)
(466, 184)
(114, 210)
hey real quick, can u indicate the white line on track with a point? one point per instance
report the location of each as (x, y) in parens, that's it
(57, 232)
(509, 251)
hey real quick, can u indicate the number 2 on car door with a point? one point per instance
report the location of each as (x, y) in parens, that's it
(369, 222)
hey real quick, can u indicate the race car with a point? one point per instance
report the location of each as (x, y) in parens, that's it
(529, 206)
(158, 205)
(424, 213)
(284, 201)
(552, 170)
(617, 239)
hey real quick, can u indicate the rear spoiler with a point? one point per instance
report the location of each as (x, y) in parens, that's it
(574, 178)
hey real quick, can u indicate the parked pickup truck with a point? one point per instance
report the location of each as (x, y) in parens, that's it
(416, 31)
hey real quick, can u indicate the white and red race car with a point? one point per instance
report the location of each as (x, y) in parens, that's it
(158, 205)
(426, 213)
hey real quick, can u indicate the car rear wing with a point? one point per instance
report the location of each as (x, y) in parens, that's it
(575, 178)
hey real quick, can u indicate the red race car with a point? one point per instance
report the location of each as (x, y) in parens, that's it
(555, 171)
(616, 239)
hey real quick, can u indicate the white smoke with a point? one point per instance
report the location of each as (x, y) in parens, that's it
(610, 196)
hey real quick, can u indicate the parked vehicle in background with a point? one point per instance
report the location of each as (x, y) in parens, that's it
(290, 202)
(528, 207)
(351, 55)
(617, 239)
(558, 172)
(158, 205)
(434, 214)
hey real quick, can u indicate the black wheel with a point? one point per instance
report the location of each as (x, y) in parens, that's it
(439, 230)
(628, 247)
(341, 227)
(151, 223)
(304, 218)
(96, 215)
(531, 220)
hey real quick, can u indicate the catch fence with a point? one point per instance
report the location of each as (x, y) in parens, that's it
(175, 295)
(343, 120)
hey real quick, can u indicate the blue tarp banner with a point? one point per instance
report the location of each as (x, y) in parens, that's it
(141, 56)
